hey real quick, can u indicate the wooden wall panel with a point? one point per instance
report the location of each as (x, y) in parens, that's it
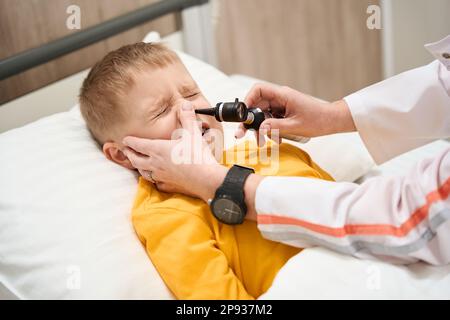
(29, 23)
(321, 47)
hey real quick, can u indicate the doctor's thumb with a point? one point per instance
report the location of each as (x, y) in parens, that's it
(187, 117)
(273, 124)
(276, 128)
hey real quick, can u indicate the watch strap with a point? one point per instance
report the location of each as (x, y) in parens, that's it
(236, 176)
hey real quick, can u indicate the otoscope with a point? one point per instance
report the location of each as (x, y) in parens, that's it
(237, 111)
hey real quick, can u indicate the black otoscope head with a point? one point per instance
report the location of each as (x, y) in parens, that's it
(236, 111)
(227, 111)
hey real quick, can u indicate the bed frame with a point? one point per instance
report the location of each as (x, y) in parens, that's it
(37, 56)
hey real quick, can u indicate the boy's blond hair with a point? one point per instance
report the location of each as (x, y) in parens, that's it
(102, 92)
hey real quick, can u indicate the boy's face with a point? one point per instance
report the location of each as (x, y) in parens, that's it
(152, 105)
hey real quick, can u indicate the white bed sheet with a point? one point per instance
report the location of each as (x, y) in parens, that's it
(317, 273)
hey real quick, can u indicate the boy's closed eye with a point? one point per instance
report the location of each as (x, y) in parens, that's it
(161, 112)
(166, 106)
(191, 95)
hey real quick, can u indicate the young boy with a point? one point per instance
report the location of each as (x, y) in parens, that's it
(137, 90)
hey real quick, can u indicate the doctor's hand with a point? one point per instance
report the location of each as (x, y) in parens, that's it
(297, 113)
(185, 165)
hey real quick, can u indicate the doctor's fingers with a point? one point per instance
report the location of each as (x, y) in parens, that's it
(260, 139)
(240, 131)
(267, 95)
(139, 161)
(164, 187)
(144, 146)
(148, 175)
(188, 118)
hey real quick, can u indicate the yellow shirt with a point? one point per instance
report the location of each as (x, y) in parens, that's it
(200, 258)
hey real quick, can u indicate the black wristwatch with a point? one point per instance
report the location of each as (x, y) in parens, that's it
(228, 205)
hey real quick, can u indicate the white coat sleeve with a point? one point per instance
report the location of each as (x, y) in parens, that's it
(401, 219)
(405, 111)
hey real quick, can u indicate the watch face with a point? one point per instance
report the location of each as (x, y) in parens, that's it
(227, 211)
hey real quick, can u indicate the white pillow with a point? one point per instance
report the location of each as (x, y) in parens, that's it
(65, 217)
(350, 158)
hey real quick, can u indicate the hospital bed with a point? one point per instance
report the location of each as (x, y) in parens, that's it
(65, 228)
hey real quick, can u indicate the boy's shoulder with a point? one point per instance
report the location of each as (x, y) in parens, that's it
(271, 160)
(150, 200)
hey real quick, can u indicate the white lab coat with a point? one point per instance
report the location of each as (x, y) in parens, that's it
(401, 219)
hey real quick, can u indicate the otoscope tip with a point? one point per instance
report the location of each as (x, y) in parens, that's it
(207, 111)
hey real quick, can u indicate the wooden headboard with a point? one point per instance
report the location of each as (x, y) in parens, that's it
(26, 24)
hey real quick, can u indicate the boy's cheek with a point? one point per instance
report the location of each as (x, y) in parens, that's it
(161, 129)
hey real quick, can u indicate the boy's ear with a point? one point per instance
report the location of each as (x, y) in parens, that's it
(113, 152)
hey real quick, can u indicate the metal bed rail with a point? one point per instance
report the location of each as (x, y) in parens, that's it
(36, 56)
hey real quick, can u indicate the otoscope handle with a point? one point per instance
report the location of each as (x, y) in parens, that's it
(295, 138)
(260, 116)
